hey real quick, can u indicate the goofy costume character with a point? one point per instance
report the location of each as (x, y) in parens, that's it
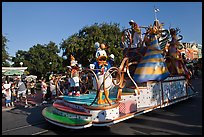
(74, 80)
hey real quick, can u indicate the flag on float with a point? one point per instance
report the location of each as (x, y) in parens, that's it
(156, 10)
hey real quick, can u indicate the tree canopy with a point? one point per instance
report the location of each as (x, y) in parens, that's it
(40, 59)
(5, 55)
(81, 44)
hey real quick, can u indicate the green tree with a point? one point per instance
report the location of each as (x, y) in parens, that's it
(40, 59)
(5, 55)
(81, 44)
(20, 57)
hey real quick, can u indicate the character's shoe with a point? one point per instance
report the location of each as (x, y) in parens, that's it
(70, 94)
(100, 102)
(77, 94)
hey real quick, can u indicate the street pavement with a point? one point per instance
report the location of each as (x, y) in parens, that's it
(182, 118)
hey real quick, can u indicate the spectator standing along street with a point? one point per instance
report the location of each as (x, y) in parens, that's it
(44, 90)
(13, 94)
(8, 97)
(32, 88)
(21, 88)
(52, 87)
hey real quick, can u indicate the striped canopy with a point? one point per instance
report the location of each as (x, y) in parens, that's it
(13, 73)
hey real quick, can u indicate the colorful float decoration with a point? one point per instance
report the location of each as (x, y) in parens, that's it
(118, 94)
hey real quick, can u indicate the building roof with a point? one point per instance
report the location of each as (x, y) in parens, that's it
(14, 68)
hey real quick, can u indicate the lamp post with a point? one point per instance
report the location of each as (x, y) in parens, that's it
(21, 63)
(50, 67)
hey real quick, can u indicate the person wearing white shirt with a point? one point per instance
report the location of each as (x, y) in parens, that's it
(21, 88)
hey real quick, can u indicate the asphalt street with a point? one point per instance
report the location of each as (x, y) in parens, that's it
(182, 118)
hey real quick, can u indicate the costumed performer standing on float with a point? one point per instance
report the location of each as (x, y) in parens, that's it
(101, 65)
(74, 80)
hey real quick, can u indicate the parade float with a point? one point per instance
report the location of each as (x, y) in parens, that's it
(121, 93)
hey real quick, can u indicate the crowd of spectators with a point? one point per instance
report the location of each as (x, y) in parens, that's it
(13, 91)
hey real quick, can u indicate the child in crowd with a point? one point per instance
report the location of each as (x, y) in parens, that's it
(44, 90)
(61, 86)
(52, 87)
(8, 97)
(21, 91)
(66, 86)
(13, 94)
(32, 88)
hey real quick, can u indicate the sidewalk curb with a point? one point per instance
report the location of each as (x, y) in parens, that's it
(7, 109)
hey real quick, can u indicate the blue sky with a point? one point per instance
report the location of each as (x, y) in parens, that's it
(29, 23)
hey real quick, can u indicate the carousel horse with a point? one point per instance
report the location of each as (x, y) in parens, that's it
(152, 67)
